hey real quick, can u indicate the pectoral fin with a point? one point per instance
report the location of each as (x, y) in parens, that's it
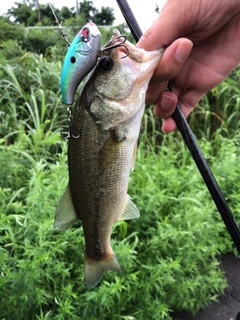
(65, 215)
(130, 211)
(109, 154)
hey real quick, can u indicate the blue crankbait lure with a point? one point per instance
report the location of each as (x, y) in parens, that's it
(80, 59)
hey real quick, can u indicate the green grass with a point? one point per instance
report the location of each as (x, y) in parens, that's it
(219, 109)
(169, 255)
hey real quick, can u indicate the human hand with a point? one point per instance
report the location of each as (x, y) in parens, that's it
(213, 28)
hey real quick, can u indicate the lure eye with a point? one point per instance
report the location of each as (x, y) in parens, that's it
(73, 59)
(106, 63)
(85, 35)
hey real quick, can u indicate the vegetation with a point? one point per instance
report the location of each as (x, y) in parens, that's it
(169, 256)
(31, 13)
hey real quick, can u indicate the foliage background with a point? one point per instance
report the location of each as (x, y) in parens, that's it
(170, 256)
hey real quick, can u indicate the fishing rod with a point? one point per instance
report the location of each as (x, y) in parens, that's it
(191, 143)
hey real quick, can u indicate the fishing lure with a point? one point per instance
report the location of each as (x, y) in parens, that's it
(80, 59)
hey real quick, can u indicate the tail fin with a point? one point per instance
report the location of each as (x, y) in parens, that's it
(94, 270)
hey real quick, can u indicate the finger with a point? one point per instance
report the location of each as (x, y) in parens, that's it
(172, 60)
(169, 125)
(170, 65)
(187, 101)
(166, 105)
(153, 92)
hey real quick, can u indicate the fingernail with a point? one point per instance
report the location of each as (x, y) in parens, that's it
(166, 101)
(181, 53)
(164, 130)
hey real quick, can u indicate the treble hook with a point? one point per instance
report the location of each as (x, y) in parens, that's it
(121, 44)
(69, 134)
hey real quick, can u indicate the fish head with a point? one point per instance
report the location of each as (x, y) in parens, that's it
(80, 59)
(120, 80)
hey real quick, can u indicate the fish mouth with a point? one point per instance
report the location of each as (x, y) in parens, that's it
(123, 51)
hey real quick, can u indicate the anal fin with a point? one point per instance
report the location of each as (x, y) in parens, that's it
(130, 211)
(65, 215)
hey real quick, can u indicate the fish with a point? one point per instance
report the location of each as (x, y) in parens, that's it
(106, 120)
(80, 59)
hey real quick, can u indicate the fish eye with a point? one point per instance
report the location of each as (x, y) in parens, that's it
(106, 63)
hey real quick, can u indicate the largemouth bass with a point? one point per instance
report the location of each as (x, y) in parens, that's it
(106, 121)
